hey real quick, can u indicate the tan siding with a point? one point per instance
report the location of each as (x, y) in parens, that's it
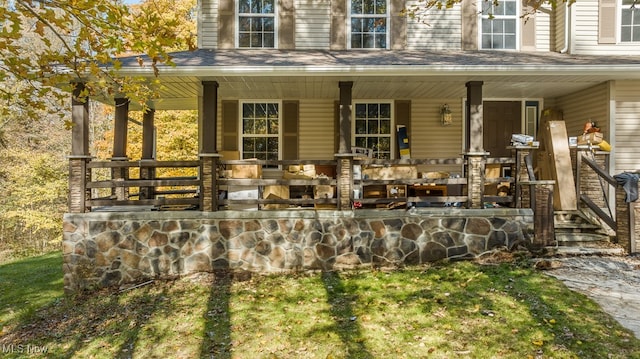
(429, 139)
(313, 24)
(585, 33)
(580, 107)
(627, 126)
(316, 130)
(441, 31)
(544, 30)
(208, 24)
(559, 27)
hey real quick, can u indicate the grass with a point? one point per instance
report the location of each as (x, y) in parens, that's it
(448, 310)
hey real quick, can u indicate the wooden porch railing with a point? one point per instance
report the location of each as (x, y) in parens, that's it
(122, 185)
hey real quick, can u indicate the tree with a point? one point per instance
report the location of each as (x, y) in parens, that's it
(45, 45)
(422, 8)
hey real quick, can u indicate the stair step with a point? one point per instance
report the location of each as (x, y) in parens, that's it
(580, 237)
(568, 225)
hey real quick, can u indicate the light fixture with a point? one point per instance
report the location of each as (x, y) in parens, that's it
(446, 116)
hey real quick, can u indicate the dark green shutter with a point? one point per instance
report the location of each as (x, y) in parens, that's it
(402, 117)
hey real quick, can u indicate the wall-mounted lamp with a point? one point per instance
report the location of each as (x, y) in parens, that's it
(446, 116)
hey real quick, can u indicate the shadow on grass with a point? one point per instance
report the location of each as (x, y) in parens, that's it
(343, 314)
(29, 284)
(216, 342)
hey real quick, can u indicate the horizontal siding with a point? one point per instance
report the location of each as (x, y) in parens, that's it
(585, 33)
(316, 141)
(313, 24)
(208, 24)
(560, 27)
(580, 107)
(627, 126)
(429, 139)
(544, 30)
(437, 30)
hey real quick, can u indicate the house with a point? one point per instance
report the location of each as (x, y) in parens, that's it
(309, 80)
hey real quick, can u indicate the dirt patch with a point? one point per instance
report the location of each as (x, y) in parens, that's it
(612, 282)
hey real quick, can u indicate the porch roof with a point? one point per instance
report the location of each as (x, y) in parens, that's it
(299, 74)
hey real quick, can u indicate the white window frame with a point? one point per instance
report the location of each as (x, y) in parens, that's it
(392, 128)
(620, 8)
(485, 16)
(274, 15)
(351, 16)
(242, 135)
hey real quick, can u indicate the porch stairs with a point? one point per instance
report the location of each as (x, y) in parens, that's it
(578, 231)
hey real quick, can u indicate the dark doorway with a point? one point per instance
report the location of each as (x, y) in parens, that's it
(501, 120)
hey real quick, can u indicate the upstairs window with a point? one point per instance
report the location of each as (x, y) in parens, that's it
(256, 24)
(373, 127)
(260, 125)
(499, 24)
(369, 24)
(629, 21)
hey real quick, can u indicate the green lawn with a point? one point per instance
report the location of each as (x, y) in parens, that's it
(449, 310)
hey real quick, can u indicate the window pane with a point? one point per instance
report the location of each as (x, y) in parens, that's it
(268, 6)
(381, 6)
(367, 41)
(272, 145)
(356, 7)
(361, 127)
(244, 24)
(369, 7)
(361, 110)
(626, 17)
(510, 8)
(384, 144)
(385, 110)
(486, 41)
(247, 126)
(269, 40)
(497, 42)
(268, 24)
(385, 126)
(372, 127)
(486, 26)
(625, 34)
(248, 145)
(243, 6)
(381, 41)
(509, 26)
(361, 142)
(372, 110)
(510, 41)
(636, 33)
(273, 127)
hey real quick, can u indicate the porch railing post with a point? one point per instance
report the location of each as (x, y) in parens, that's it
(625, 219)
(79, 175)
(476, 162)
(120, 174)
(209, 181)
(344, 179)
(541, 200)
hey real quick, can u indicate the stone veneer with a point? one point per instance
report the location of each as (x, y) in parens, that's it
(108, 248)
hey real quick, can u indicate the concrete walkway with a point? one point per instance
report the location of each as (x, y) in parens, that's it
(611, 281)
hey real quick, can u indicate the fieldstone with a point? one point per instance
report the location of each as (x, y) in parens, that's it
(394, 224)
(294, 237)
(345, 246)
(277, 257)
(177, 266)
(67, 247)
(230, 228)
(432, 252)
(127, 243)
(270, 225)
(141, 249)
(407, 246)
(299, 225)
(276, 238)
(263, 248)
(198, 262)
(188, 225)
(218, 250)
(97, 227)
(443, 238)
(247, 240)
(171, 252)
(378, 247)
(497, 239)
(476, 244)
(411, 231)
(413, 257)
(313, 238)
(143, 233)
(285, 226)
(325, 252)
(114, 225)
(454, 224)
(178, 239)
(309, 259)
(454, 252)
(69, 227)
(379, 229)
(394, 255)
(220, 263)
(164, 265)
(79, 249)
(497, 222)
(348, 260)
(106, 240)
(252, 225)
(329, 239)
(111, 278)
(248, 256)
(130, 259)
(479, 226)
(170, 226)
(158, 239)
(294, 259)
(364, 254)
(351, 225)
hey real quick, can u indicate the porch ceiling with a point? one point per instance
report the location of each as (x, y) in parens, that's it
(266, 74)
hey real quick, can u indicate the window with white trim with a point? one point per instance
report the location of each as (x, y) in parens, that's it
(373, 127)
(629, 21)
(499, 24)
(368, 20)
(256, 24)
(260, 130)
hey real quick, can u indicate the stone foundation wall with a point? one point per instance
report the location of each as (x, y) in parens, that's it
(106, 249)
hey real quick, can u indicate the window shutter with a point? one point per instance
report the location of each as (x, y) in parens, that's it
(286, 25)
(607, 26)
(230, 125)
(469, 25)
(528, 38)
(398, 26)
(226, 24)
(402, 117)
(290, 126)
(338, 25)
